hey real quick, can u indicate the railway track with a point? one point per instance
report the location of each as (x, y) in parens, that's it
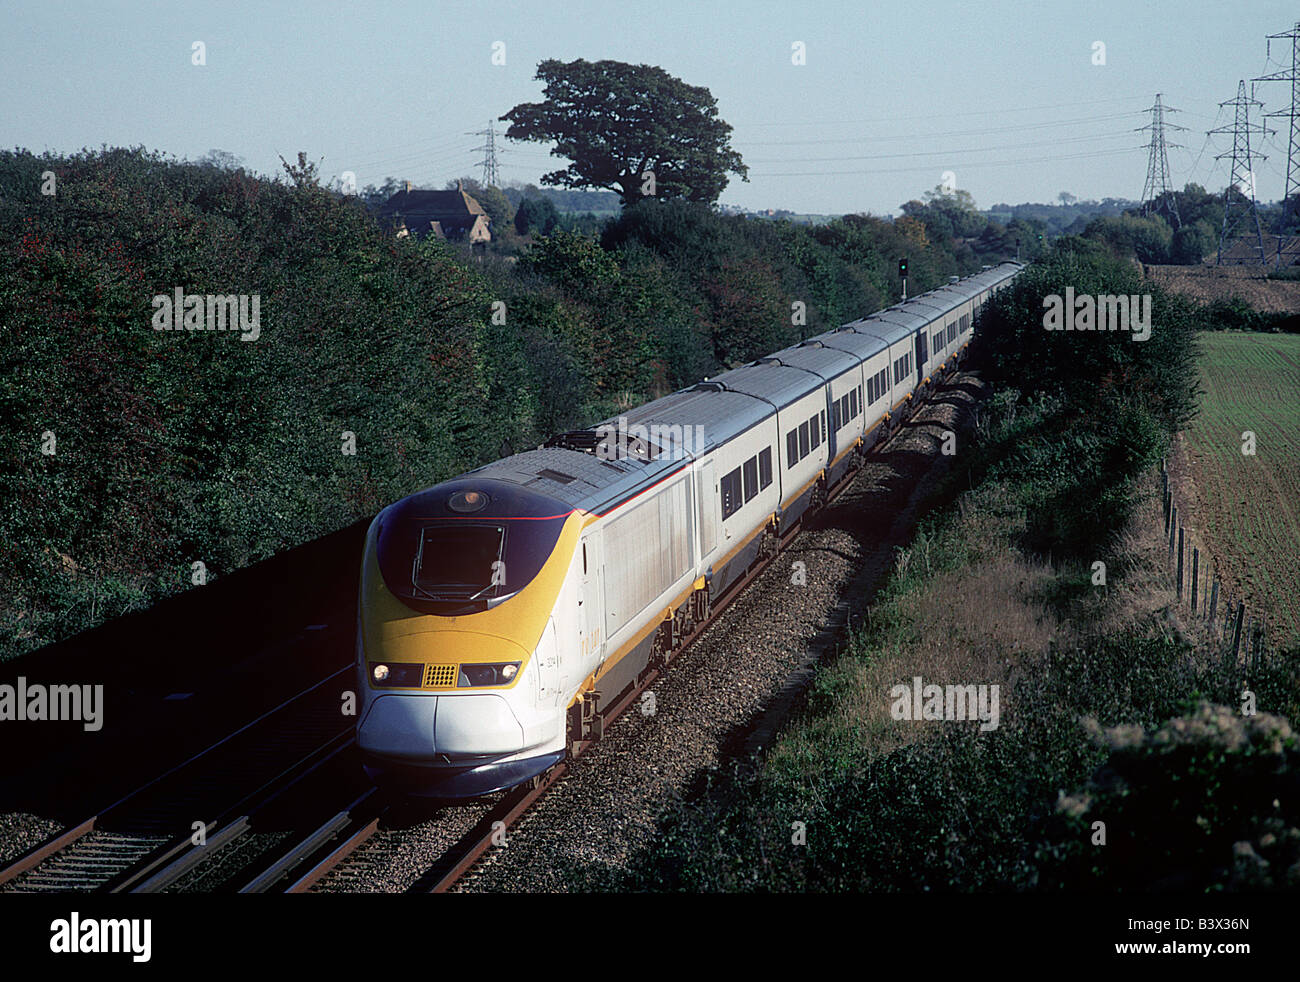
(150, 838)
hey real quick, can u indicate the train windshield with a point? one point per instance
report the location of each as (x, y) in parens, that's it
(454, 566)
(459, 562)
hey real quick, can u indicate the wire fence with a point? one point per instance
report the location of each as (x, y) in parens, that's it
(1241, 634)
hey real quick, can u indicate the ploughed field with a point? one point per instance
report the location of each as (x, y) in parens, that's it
(1249, 506)
(1249, 283)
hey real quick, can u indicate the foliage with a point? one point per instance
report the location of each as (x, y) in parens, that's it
(1147, 239)
(1205, 802)
(536, 215)
(1093, 371)
(1192, 243)
(175, 447)
(616, 122)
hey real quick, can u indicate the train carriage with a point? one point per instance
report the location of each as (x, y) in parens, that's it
(842, 376)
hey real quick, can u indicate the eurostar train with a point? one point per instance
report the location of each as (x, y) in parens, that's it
(499, 611)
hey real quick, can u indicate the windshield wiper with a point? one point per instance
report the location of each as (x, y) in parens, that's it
(483, 591)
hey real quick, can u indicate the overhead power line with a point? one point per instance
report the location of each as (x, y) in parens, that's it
(928, 136)
(894, 119)
(943, 153)
(967, 165)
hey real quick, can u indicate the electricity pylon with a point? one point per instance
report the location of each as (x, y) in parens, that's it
(1291, 194)
(1158, 191)
(490, 175)
(1242, 179)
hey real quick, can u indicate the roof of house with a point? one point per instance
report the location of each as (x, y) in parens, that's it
(451, 209)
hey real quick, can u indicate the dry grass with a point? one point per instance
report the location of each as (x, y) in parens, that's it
(968, 625)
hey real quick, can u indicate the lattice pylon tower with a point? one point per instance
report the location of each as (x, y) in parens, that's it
(1235, 214)
(1291, 193)
(491, 178)
(1158, 191)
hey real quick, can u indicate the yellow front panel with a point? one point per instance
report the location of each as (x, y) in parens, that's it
(510, 631)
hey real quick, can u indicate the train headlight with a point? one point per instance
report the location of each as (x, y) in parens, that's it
(397, 674)
(500, 673)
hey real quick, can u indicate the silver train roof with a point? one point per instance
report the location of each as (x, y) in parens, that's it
(595, 468)
(774, 383)
(814, 356)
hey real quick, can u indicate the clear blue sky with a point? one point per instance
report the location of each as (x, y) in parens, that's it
(893, 94)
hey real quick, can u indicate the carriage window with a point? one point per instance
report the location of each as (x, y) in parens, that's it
(729, 487)
(765, 467)
(751, 479)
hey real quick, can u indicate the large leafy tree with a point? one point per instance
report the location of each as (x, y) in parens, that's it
(619, 123)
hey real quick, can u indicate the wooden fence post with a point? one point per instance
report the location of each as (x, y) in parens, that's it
(1196, 574)
(1236, 634)
(1214, 602)
(1180, 564)
(1173, 524)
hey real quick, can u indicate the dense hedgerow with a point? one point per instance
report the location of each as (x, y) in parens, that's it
(1107, 403)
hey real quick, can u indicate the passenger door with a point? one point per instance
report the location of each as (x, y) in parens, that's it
(548, 666)
(707, 496)
(591, 624)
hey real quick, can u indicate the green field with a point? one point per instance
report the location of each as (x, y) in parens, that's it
(1250, 505)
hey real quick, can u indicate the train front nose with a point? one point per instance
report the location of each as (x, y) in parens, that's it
(405, 727)
(419, 731)
(457, 588)
(442, 745)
